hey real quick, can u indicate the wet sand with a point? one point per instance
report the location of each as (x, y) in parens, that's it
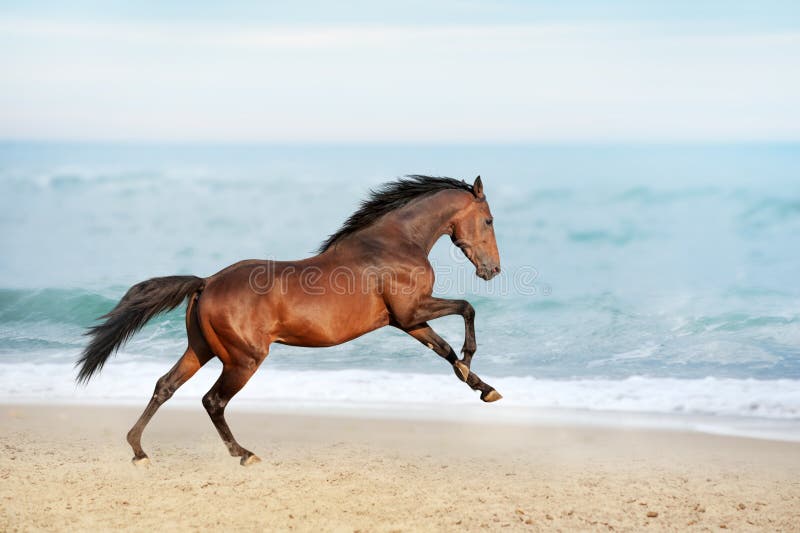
(68, 468)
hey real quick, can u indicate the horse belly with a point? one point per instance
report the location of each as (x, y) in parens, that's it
(328, 321)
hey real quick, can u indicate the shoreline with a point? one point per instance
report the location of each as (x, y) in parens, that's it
(759, 428)
(69, 467)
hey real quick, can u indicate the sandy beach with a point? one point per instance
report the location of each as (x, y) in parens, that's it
(68, 468)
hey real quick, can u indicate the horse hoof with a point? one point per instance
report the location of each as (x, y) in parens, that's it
(491, 396)
(462, 370)
(141, 461)
(250, 460)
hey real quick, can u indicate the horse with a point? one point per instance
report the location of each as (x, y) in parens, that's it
(373, 272)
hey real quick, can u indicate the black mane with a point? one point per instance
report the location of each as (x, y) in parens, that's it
(391, 196)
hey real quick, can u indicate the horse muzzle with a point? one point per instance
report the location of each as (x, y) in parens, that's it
(487, 272)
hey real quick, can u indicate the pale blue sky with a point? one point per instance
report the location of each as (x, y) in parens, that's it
(410, 72)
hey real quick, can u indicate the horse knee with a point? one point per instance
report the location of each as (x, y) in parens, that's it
(467, 311)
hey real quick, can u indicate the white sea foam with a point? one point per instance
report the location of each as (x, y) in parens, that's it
(746, 406)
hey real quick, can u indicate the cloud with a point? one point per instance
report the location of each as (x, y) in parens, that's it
(525, 82)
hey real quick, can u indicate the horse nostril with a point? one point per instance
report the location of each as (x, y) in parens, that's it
(497, 270)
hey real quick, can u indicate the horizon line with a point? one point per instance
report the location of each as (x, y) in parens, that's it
(403, 142)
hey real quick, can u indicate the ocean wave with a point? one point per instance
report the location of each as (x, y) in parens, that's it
(619, 237)
(588, 336)
(64, 306)
(49, 324)
(70, 306)
(770, 213)
(735, 322)
(776, 208)
(651, 196)
(127, 382)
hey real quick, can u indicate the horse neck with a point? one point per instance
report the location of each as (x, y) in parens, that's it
(423, 221)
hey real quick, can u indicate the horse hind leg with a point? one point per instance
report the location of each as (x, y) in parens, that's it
(166, 386)
(231, 381)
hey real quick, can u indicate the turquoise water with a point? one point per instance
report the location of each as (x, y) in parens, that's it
(620, 262)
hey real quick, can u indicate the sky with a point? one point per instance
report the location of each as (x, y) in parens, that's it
(412, 72)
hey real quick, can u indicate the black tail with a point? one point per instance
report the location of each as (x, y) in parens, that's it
(142, 302)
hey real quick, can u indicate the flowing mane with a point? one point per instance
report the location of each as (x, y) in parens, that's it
(391, 196)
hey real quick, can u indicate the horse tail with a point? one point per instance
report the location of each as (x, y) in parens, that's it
(141, 303)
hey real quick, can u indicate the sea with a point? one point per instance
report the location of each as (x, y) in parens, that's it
(640, 282)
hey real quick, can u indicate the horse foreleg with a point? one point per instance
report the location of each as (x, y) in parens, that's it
(166, 386)
(431, 308)
(231, 381)
(425, 334)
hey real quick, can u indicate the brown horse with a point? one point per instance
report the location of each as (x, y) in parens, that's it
(372, 273)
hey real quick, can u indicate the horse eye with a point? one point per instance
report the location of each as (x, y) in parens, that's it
(489, 221)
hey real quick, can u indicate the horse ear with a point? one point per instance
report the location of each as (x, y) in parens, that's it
(477, 188)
